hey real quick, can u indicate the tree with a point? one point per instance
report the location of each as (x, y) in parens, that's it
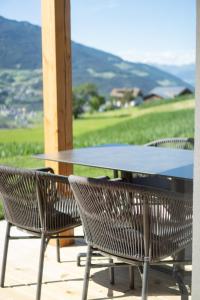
(86, 96)
(95, 102)
(110, 104)
(78, 105)
(86, 91)
(127, 97)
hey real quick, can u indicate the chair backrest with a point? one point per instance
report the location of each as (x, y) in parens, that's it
(180, 143)
(37, 201)
(131, 221)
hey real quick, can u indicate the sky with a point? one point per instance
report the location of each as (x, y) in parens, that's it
(150, 31)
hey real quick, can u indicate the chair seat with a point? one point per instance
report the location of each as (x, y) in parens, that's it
(57, 218)
(40, 203)
(162, 245)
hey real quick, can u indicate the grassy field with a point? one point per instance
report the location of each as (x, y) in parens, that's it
(160, 119)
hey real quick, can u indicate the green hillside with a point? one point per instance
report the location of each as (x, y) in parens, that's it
(108, 71)
(20, 48)
(20, 45)
(138, 125)
(21, 88)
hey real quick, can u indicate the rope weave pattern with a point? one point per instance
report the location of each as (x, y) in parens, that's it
(164, 182)
(179, 143)
(37, 201)
(131, 221)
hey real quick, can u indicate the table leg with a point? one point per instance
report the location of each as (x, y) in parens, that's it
(64, 242)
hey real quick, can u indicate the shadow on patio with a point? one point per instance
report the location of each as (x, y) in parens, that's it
(64, 280)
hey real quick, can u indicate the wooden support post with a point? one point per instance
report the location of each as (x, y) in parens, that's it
(57, 81)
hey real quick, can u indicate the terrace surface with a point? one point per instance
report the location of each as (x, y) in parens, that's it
(64, 280)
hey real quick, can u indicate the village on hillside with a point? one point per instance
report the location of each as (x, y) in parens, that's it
(125, 97)
(86, 98)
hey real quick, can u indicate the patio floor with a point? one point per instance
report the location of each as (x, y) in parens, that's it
(64, 280)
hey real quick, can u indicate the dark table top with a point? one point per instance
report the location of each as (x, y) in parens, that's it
(140, 159)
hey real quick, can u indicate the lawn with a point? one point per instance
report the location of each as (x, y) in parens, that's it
(170, 118)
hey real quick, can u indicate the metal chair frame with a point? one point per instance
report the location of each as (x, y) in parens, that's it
(136, 224)
(42, 204)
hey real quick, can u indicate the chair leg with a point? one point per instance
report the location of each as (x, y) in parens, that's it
(131, 278)
(145, 281)
(111, 272)
(41, 264)
(87, 273)
(58, 249)
(5, 253)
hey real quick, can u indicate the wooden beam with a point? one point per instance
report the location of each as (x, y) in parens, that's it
(57, 82)
(57, 79)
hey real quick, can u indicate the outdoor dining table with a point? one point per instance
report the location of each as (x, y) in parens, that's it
(163, 162)
(167, 162)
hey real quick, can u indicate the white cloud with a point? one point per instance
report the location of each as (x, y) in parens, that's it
(106, 5)
(166, 57)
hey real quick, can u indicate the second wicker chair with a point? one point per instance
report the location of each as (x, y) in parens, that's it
(136, 224)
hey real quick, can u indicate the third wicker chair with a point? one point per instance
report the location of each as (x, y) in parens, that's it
(164, 182)
(179, 143)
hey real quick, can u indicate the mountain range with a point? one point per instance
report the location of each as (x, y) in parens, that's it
(20, 49)
(186, 72)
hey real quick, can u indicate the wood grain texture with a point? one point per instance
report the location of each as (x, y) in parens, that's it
(57, 79)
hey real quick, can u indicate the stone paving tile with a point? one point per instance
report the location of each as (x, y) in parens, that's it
(64, 280)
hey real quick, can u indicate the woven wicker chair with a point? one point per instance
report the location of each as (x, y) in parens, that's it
(164, 182)
(179, 143)
(40, 203)
(136, 224)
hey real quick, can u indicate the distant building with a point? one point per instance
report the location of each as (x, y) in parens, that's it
(137, 101)
(167, 92)
(119, 93)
